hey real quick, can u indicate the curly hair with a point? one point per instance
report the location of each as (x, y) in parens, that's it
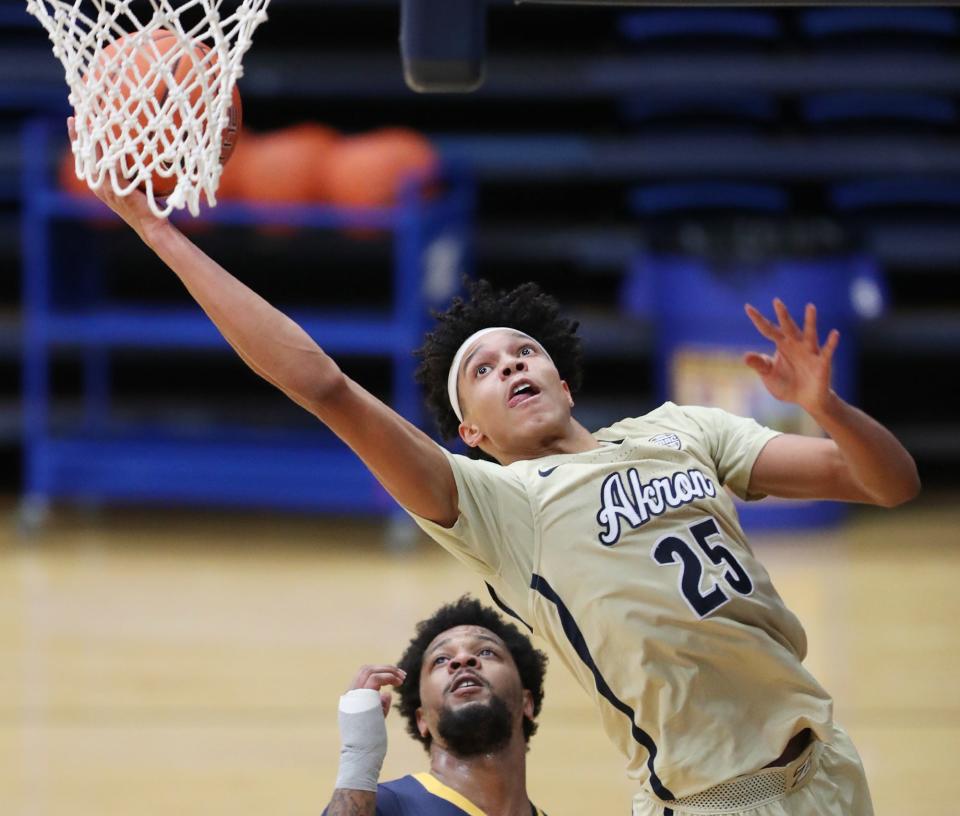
(531, 663)
(526, 308)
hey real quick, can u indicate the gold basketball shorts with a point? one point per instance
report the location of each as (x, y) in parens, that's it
(827, 779)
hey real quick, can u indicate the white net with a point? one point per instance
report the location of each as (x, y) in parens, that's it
(153, 87)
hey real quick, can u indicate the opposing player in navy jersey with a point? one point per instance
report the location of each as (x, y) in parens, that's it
(619, 546)
(470, 687)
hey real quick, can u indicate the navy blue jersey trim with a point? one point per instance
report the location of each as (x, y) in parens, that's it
(575, 636)
(505, 608)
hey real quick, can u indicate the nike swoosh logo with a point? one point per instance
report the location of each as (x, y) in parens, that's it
(547, 471)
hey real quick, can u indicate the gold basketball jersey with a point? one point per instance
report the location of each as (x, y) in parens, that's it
(630, 561)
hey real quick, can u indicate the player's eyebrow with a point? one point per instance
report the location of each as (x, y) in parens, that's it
(443, 642)
(466, 359)
(463, 365)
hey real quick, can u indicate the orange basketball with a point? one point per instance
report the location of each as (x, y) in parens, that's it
(145, 69)
(67, 176)
(279, 166)
(367, 170)
(232, 179)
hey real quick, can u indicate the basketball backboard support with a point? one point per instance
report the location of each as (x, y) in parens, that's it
(443, 42)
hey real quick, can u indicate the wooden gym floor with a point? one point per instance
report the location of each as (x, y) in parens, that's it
(172, 663)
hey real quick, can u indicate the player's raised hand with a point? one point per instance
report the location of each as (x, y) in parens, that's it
(132, 208)
(376, 677)
(799, 370)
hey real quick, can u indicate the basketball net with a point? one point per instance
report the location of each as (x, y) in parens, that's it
(136, 125)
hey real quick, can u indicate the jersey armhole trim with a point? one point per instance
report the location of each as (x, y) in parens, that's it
(504, 608)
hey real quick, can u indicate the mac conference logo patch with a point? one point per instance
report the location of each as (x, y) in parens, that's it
(666, 440)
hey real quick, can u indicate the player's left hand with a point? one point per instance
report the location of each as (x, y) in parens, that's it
(799, 371)
(132, 208)
(376, 677)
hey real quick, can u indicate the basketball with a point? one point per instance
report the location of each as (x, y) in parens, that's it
(138, 80)
(281, 165)
(367, 170)
(232, 179)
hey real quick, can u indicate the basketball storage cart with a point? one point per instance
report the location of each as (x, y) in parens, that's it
(92, 457)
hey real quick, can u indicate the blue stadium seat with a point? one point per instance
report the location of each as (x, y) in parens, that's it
(935, 23)
(872, 194)
(845, 107)
(700, 24)
(676, 197)
(746, 110)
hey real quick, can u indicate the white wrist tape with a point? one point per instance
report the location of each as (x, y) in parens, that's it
(363, 740)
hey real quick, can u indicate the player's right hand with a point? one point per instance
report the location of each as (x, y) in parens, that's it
(132, 208)
(376, 677)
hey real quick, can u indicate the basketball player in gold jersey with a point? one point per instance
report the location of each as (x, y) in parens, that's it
(620, 547)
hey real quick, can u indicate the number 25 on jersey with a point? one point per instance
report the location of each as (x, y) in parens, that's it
(675, 550)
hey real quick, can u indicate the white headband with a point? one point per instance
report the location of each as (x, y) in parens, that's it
(458, 359)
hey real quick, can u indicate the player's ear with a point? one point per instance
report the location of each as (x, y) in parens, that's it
(566, 390)
(471, 435)
(421, 723)
(527, 704)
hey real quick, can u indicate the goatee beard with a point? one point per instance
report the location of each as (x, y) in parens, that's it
(476, 728)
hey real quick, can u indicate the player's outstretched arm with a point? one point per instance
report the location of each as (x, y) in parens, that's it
(363, 736)
(406, 461)
(861, 461)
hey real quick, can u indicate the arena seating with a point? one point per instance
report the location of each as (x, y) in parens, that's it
(589, 123)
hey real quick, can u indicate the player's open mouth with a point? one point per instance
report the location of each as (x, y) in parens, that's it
(466, 684)
(521, 391)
